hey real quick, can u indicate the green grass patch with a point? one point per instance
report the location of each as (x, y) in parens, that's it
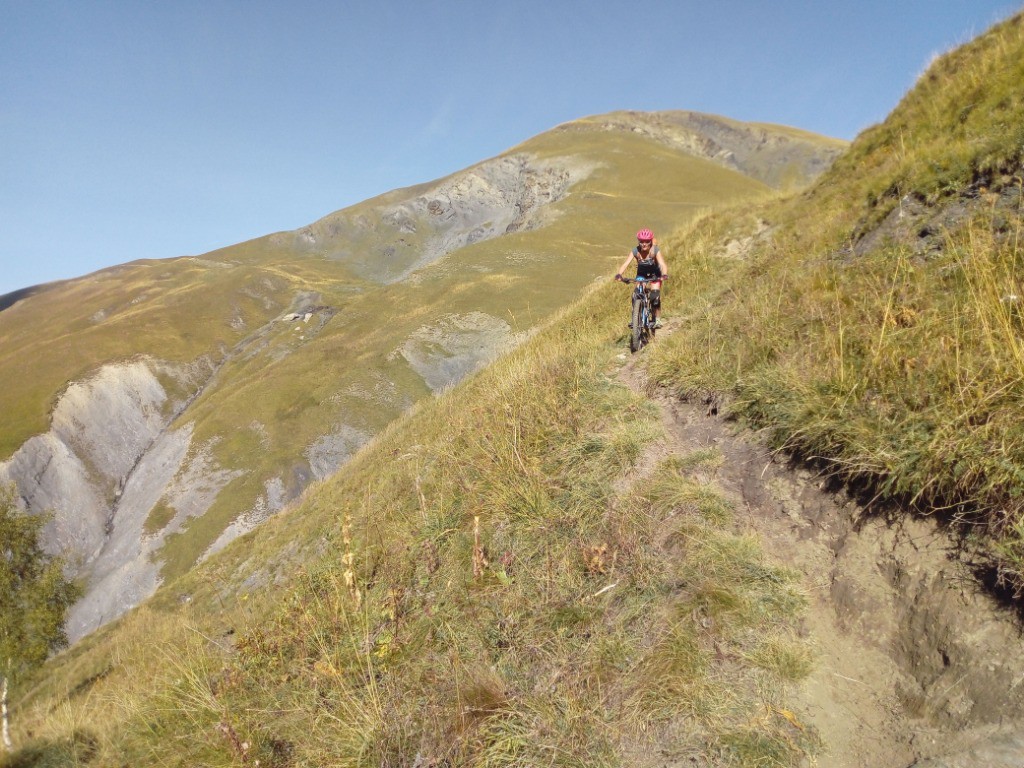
(158, 518)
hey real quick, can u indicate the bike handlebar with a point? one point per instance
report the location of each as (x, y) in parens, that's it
(643, 279)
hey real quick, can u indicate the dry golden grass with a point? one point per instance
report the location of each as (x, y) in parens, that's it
(875, 324)
(472, 589)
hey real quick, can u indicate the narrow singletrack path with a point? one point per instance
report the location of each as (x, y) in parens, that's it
(915, 665)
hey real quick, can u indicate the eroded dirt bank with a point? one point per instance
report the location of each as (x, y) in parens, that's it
(915, 664)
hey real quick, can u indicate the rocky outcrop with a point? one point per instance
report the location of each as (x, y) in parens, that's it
(123, 573)
(112, 419)
(329, 452)
(50, 477)
(174, 474)
(389, 238)
(775, 155)
(100, 429)
(445, 352)
(108, 460)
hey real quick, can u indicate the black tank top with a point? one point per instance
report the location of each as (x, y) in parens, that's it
(648, 267)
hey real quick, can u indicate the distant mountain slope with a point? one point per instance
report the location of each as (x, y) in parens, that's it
(779, 156)
(162, 408)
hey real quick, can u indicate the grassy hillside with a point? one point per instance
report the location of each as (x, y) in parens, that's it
(260, 395)
(874, 322)
(478, 587)
(352, 375)
(186, 309)
(487, 583)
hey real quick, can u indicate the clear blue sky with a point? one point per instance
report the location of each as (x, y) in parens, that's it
(155, 129)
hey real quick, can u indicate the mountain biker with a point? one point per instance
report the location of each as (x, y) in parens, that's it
(650, 263)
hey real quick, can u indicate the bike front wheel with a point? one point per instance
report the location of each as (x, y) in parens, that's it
(639, 327)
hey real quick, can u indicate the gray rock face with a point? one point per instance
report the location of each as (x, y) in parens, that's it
(126, 570)
(328, 453)
(108, 460)
(49, 476)
(122, 574)
(112, 419)
(100, 429)
(408, 229)
(445, 352)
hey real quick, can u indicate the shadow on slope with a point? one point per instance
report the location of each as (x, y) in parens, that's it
(9, 299)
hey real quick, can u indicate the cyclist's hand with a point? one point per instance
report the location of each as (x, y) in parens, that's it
(619, 278)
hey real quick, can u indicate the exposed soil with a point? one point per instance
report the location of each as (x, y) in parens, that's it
(916, 665)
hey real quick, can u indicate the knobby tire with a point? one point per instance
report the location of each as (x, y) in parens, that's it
(639, 337)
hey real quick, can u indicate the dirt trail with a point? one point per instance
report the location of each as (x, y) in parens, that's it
(915, 665)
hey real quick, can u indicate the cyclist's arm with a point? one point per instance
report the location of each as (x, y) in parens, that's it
(661, 264)
(625, 264)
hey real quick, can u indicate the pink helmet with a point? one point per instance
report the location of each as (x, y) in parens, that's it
(645, 234)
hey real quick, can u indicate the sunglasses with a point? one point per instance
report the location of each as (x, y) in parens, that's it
(644, 242)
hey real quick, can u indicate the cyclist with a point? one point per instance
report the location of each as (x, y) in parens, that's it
(650, 263)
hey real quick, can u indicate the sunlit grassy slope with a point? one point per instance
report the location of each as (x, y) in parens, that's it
(480, 587)
(278, 387)
(181, 309)
(875, 321)
(477, 587)
(351, 374)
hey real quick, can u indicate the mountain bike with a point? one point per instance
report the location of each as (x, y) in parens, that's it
(641, 314)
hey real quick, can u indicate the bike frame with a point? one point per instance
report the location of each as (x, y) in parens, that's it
(642, 319)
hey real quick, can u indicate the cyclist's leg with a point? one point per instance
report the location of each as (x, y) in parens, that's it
(656, 300)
